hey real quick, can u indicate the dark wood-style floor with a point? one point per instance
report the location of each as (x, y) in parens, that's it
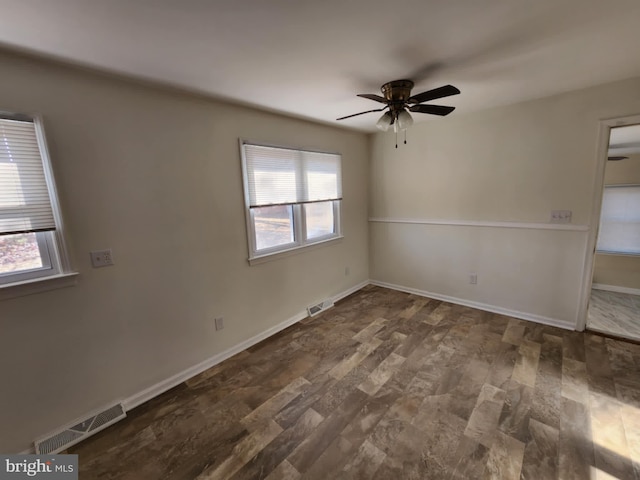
(388, 385)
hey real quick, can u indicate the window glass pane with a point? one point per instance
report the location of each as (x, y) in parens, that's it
(273, 225)
(19, 252)
(620, 220)
(25, 204)
(322, 176)
(319, 217)
(271, 175)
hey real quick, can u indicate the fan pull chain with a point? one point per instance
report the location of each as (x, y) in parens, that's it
(396, 138)
(405, 137)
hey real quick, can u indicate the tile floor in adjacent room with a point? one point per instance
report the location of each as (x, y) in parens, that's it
(614, 313)
(388, 385)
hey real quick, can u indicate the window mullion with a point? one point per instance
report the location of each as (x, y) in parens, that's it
(252, 226)
(43, 247)
(337, 222)
(299, 224)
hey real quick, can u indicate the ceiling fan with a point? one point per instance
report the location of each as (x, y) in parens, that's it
(399, 102)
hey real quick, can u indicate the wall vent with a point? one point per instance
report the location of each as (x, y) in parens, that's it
(79, 430)
(319, 307)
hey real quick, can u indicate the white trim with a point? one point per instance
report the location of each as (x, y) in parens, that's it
(60, 245)
(292, 251)
(161, 387)
(532, 317)
(480, 223)
(349, 291)
(615, 288)
(37, 285)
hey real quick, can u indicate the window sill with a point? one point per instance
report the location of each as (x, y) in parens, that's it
(617, 254)
(37, 285)
(257, 260)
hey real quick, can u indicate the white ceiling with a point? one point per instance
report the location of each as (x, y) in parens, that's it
(309, 59)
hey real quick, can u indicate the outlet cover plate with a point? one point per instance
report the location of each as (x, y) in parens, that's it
(101, 258)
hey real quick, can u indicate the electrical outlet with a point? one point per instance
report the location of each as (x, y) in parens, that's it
(101, 258)
(473, 278)
(219, 323)
(561, 216)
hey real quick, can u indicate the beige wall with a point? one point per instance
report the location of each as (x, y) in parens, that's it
(155, 175)
(619, 270)
(508, 164)
(623, 172)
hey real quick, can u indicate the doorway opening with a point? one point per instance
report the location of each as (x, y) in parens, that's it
(614, 296)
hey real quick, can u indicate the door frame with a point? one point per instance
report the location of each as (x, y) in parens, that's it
(596, 206)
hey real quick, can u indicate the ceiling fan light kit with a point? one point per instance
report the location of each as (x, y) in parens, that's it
(399, 102)
(385, 121)
(405, 120)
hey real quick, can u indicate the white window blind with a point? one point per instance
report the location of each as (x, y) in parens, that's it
(620, 220)
(25, 205)
(281, 176)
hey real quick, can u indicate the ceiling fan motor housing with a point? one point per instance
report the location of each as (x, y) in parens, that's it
(397, 90)
(397, 93)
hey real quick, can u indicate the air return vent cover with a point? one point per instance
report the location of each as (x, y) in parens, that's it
(79, 430)
(320, 307)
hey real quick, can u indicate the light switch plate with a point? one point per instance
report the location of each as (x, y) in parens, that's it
(561, 216)
(101, 258)
(219, 323)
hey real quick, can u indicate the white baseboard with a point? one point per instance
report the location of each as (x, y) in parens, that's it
(481, 306)
(349, 291)
(161, 387)
(175, 380)
(615, 288)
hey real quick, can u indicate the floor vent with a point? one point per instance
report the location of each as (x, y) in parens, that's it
(320, 307)
(78, 431)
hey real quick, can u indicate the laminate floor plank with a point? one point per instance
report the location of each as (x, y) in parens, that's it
(389, 385)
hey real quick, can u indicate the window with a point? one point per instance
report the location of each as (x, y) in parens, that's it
(30, 237)
(292, 197)
(620, 220)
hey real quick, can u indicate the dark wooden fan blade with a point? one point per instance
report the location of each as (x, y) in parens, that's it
(440, 92)
(432, 109)
(361, 113)
(372, 96)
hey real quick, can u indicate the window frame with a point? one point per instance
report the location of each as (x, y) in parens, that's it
(51, 244)
(614, 252)
(298, 214)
